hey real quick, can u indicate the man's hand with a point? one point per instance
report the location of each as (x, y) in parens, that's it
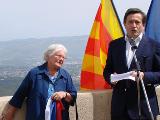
(135, 74)
(114, 83)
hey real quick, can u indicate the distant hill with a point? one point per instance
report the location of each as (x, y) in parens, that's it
(30, 51)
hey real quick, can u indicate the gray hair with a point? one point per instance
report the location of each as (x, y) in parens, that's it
(52, 49)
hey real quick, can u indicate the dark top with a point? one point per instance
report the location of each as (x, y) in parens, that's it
(35, 89)
(124, 98)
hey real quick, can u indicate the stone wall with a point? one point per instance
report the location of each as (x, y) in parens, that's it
(92, 105)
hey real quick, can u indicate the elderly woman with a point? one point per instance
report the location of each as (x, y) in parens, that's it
(43, 83)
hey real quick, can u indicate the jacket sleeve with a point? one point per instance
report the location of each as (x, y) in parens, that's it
(71, 89)
(108, 70)
(21, 93)
(153, 76)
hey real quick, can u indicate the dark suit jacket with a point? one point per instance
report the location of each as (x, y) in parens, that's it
(124, 98)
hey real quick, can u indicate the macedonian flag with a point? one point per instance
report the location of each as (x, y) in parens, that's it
(106, 27)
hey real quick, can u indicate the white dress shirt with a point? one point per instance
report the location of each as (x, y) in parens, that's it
(129, 52)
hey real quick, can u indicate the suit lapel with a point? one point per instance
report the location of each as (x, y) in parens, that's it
(123, 54)
(141, 48)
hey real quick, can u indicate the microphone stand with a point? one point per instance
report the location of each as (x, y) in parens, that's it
(134, 47)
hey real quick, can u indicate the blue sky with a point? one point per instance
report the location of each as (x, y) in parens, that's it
(21, 19)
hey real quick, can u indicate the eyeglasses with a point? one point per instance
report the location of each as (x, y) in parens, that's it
(60, 56)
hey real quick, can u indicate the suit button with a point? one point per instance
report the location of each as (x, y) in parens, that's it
(125, 89)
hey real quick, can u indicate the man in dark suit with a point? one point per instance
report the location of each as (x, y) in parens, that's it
(124, 104)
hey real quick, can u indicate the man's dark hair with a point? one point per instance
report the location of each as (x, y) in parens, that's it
(134, 11)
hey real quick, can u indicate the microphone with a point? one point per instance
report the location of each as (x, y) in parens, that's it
(133, 44)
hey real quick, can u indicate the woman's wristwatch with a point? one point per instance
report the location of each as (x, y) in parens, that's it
(65, 95)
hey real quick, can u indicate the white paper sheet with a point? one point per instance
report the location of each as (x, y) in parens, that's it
(118, 77)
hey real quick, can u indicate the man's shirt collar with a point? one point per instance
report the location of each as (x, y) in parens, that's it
(137, 40)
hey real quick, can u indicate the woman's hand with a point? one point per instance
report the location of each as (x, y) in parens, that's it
(8, 112)
(62, 94)
(59, 95)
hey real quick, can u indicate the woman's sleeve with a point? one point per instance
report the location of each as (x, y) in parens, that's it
(22, 92)
(71, 89)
